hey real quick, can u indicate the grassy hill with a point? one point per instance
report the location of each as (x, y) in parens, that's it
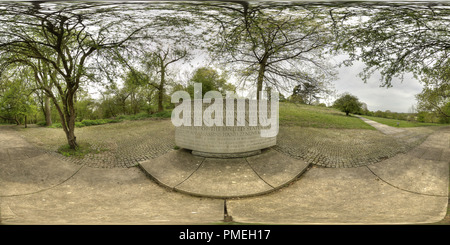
(318, 117)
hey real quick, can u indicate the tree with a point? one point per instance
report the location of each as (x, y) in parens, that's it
(45, 104)
(16, 102)
(364, 109)
(379, 113)
(399, 38)
(435, 95)
(60, 39)
(159, 62)
(307, 92)
(152, 68)
(211, 80)
(348, 103)
(85, 106)
(394, 38)
(273, 44)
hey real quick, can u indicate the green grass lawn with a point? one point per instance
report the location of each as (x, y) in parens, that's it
(402, 123)
(318, 117)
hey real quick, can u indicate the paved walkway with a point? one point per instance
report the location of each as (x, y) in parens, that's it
(385, 129)
(224, 178)
(37, 188)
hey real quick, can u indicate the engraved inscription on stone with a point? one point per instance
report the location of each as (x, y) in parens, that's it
(223, 139)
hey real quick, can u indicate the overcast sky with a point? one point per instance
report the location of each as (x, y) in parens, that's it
(398, 98)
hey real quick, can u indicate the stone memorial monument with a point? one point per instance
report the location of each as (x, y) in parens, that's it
(240, 136)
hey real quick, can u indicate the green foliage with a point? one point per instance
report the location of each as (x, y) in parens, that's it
(55, 125)
(348, 103)
(41, 124)
(211, 80)
(428, 117)
(16, 101)
(307, 92)
(446, 110)
(85, 108)
(98, 122)
(392, 40)
(163, 114)
(435, 95)
(86, 123)
(79, 125)
(143, 115)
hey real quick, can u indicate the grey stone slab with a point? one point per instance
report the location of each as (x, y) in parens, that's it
(22, 153)
(414, 174)
(9, 138)
(418, 151)
(4, 156)
(224, 178)
(277, 168)
(33, 174)
(440, 139)
(339, 196)
(445, 157)
(432, 154)
(172, 168)
(110, 196)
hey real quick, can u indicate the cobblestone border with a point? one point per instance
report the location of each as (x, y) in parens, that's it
(128, 144)
(346, 148)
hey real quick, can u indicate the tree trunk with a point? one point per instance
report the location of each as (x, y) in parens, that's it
(70, 118)
(262, 70)
(67, 116)
(71, 138)
(161, 89)
(26, 126)
(259, 84)
(47, 111)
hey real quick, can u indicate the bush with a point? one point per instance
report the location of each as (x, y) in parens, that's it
(163, 114)
(85, 123)
(91, 122)
(140, 116)
(98, 122)
(56, 125)
(79, 124)
(42, 124)
(114, 120)
(144, 115)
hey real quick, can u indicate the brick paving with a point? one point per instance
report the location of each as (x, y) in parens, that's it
(123, 145)
(119, 145)
(350, 147)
